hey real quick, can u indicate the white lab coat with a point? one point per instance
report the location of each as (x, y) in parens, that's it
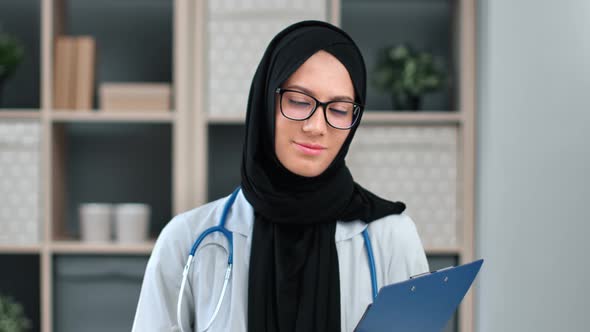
(397, 249)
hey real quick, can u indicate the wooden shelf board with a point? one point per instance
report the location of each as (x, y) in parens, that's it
(114, 116)
(73, 246)
(443, 251)
(370, 118)
(20, 249)
(237, 118)
(238, 14)
(19, 114)
(77, 247)
(411, 117)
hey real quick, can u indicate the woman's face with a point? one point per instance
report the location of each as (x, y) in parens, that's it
(308, 147)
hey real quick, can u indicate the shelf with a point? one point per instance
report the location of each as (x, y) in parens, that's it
(411, 117)
(256, 13)
(112, 163)
(426, 25)
(113, 116)
(369, 118)
(16, 114)
(437, 251)
(77, 247)
(19, 249)
(236, 119)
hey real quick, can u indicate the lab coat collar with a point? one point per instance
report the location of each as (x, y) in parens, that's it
(241, 219)
(348, 230)
(241, 216)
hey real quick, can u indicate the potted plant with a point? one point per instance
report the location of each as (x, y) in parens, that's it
(12, 318)
(407, 75)
(11, 55)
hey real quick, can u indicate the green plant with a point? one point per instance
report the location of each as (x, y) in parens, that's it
(12, 318)
(407, 75)
(11, 55)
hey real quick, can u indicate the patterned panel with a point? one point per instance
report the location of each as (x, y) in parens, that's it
(19, 182)
(416, 165)
(238, 33)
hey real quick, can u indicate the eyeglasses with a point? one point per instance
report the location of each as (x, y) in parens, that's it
(299, 106)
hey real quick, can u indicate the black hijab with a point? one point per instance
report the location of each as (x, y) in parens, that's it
(294, 280)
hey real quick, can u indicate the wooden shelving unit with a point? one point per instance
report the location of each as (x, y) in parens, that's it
(218, 134)
(198, 137)
(61, 130)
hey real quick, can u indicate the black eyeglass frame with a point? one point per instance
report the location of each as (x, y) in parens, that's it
(281, 91)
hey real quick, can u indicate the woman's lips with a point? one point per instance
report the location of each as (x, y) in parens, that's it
(309, 148)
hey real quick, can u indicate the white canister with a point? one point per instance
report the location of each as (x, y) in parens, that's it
(132, 222)
(95, 222)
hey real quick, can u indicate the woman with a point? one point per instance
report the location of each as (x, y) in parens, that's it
(299, 256)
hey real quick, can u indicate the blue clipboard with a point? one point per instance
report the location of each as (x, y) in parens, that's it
(424, 303)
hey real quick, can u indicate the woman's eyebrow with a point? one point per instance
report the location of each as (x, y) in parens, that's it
(299, 87)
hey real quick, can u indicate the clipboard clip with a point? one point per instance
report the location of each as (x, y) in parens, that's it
(427, 273)
(420, 275)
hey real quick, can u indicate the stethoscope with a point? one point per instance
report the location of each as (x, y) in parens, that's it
(220, 228)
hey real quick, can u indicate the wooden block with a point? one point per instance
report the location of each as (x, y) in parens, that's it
(135, 96)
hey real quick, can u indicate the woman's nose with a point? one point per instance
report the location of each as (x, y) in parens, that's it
(316, 124)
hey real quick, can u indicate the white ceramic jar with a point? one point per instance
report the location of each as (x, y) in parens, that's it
(95, 222)
(132, 222)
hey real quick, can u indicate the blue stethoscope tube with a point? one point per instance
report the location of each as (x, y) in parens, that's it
(220, 228)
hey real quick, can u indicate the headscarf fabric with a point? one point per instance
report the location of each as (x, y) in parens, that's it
(294, 283)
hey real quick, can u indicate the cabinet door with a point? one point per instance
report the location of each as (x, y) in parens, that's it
(416, 165)
(96, 293)
(19, 182)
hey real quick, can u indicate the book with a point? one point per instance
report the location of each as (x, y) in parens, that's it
(63, 71)
(84, 73)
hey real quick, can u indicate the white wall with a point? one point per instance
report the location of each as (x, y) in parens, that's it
(533, 190)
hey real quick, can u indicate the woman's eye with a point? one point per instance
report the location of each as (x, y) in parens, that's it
(338, 112)
(295, 102)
